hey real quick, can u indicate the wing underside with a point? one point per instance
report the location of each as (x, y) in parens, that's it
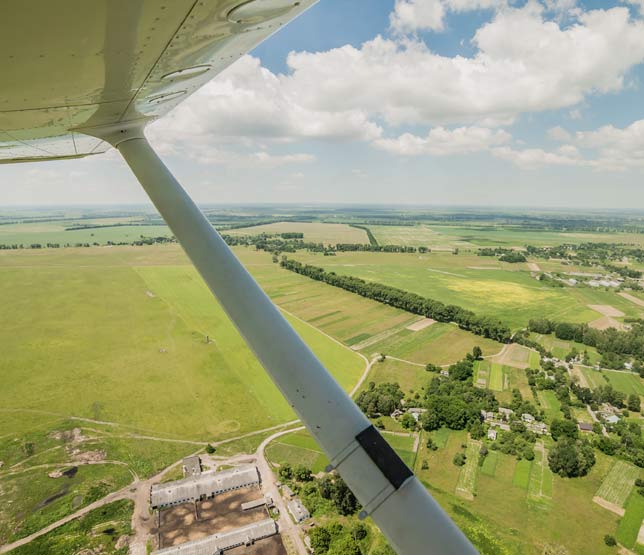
(90, 63)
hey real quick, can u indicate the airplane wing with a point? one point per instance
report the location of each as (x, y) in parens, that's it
(67, 64)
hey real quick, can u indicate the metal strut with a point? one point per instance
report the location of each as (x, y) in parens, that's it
(402, 508)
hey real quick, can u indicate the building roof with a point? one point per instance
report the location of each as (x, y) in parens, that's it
(206, 483)
(225, 540)
(192, 466)
(254, 504)
(585, 426)
(299, 511)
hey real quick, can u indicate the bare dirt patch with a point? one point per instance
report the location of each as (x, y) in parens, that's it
(629, 297)
(610, 506)
(482, 267)
(268, 546)
(533, 267)
(421, 324)
(606, 322)
(606, 310)
(190, 521)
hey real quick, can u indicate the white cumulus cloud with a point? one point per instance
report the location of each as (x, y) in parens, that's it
(444, 142)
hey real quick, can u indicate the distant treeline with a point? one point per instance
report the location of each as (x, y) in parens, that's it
(613, 344)
(411, 302)
(138, 243)
(372, 240)
(101, 226)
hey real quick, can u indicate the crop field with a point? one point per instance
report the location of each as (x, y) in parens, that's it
(416, 236)
(571, 519)
(618, 484)
(300, 448)
(439, 344)
(329, 234)
(506, 292)
(466, 485)
(482, 369)
(497, 376)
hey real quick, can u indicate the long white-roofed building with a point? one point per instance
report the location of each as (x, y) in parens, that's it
(218, 543)
(203, 486)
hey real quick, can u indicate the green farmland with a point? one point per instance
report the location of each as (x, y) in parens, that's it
(502, 290)
(300, 448)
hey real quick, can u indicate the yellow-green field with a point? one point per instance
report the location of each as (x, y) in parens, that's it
(500, 290)
(487, 235)
(618, 483)
(329, 234)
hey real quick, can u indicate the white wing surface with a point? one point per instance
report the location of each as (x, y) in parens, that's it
(68, 64)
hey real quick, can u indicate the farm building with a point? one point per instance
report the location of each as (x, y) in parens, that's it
(288, 492)
(202, 486)
(416, 412)
(192, 466)
(266, 500)
(526, 417)
(218, 543)
(585, 427)
(491, 434)
(505, 412)
(298, 510)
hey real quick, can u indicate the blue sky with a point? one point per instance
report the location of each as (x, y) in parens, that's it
(404, 101)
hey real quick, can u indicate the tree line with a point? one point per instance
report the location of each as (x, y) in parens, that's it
(613, 344)
(411, 302)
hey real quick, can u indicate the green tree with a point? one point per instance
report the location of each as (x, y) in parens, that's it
(459, 459)
(633, 402)
(477, 352)
(210, 449)
(320, 539)
(610, 540)
(408, 421)
(570, 458)
(302, 474)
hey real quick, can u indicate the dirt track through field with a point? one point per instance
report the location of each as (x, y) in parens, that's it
(606, 310)
(421, 324)
(631, 298)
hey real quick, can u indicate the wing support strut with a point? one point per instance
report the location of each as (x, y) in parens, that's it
(389, 492)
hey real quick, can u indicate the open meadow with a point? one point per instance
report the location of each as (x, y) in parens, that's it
(329, 234)
(489, 235)
(500, 290)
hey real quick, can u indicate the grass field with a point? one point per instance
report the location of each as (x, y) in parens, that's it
(629, 525)
(541, 478)
(551, 405)
(466, 485)
(506, 291)
(55, 232)
(482, 369)
(438, 344)
(619, 482)
(489, 464)
(627, 382)
(484, 235)
(98, 531)
(329, 234)
(522, 472)
(409, 377)
(117, 335)
(300, 448)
